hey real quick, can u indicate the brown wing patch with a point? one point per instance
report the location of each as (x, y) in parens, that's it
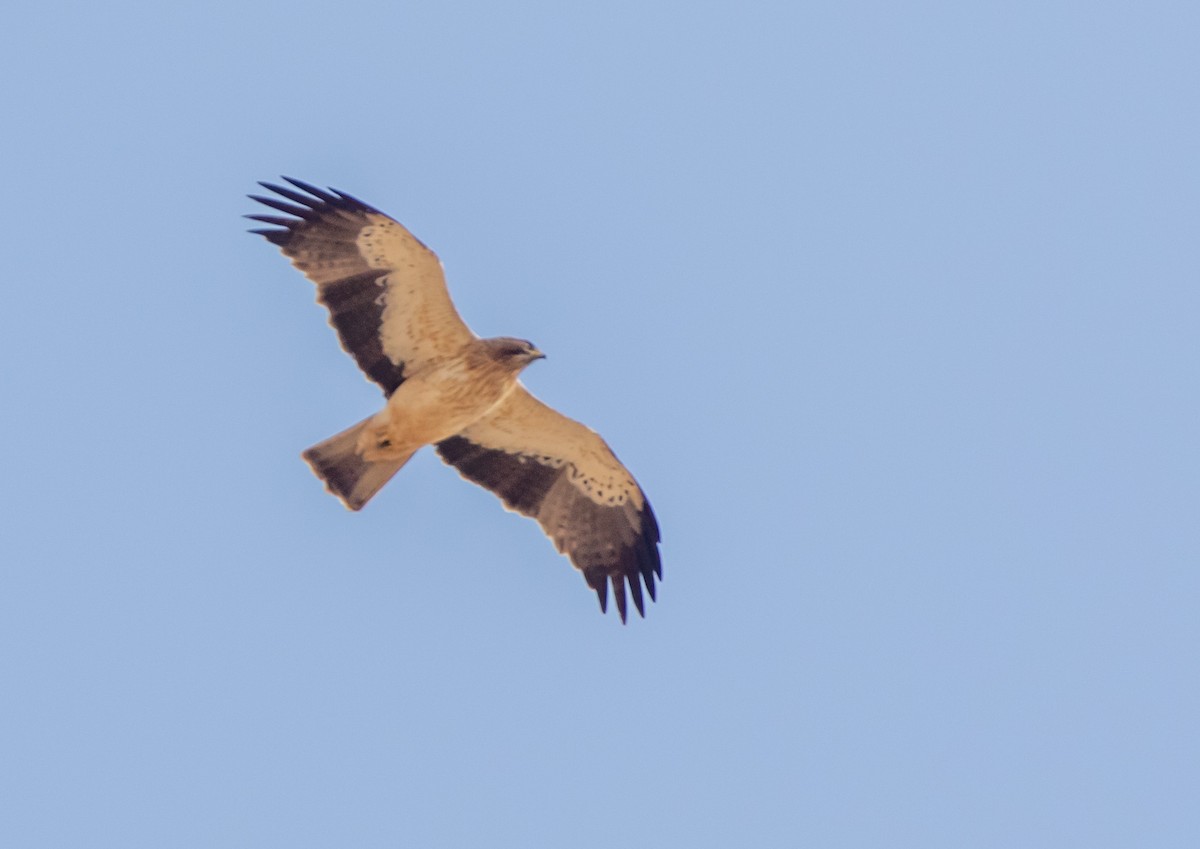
(384, 289)
(609, 535)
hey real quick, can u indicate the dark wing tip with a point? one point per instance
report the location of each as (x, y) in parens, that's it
(597, 579)
(275, 220)
(275, 237)
(618, 584)
(320, 194)
(348, 201)
(642, 561)
(327, 197)
(635, 590)
(638, 563)
(307, 205)
(305, 213)
(314, 200)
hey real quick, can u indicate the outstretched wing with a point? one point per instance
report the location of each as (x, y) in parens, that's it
(545, 465)
(385, 291)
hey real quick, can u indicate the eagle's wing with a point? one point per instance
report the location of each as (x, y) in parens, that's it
(545, 465)
(385, 291)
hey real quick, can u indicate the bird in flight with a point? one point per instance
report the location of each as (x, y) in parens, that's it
(446, 387)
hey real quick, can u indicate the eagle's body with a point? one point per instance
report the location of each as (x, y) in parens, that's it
(442, 399)
(447, 387)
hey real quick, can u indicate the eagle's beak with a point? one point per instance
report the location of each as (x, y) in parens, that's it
(535, 354)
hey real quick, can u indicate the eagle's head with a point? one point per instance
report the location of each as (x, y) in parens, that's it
(513, 353)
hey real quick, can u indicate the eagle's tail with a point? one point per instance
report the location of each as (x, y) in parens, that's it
(347, 474)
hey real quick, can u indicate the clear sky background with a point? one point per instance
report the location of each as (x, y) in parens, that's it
(891, 307)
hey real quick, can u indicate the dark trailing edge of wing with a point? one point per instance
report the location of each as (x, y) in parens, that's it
(324, 225)
(523, 484)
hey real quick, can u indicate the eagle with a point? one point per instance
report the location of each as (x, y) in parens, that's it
(446, 387)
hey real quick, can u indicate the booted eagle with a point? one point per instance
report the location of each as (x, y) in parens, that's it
(446, 387)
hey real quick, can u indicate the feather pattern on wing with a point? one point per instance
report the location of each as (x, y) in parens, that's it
(560, 472)
(384, 289)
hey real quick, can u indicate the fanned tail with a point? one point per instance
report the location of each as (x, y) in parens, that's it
(347, 474)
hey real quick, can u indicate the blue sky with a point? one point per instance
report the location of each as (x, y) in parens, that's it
(892, 308)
